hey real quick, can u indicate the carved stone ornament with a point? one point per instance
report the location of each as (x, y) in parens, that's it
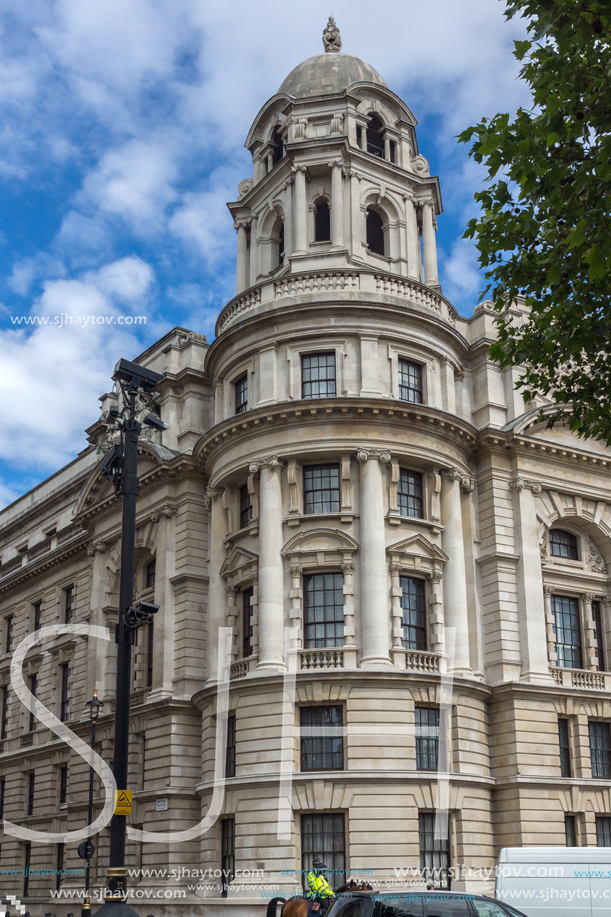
(331, 38)
(587, 597)
(96, 547)
(395, 569)
(382, 455)
(295, 570)
(348, 567)
(211, 494)
(253, 467)
(190, 336)
(245, 187)
(548, 590)
(230, 589)
(166, 510)
(455, 474)
(595, 559)
(274, 462)
(435, 577)
(519, 483)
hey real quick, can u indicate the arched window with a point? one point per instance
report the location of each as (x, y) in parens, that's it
(277, 243)
(322, 222)
(562, 544)
(375, 232)
(375, 137)
(281, 245)
(278, 151)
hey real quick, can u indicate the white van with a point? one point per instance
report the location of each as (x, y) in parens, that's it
(556, 881)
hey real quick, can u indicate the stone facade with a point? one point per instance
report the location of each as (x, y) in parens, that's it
(409, 464)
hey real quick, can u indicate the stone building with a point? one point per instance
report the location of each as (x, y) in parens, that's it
(351, 487)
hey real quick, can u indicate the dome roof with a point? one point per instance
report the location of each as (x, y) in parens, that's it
(328, 73)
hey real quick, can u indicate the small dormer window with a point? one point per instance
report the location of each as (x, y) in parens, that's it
(563, 544)
(375, 137)
(322, 221)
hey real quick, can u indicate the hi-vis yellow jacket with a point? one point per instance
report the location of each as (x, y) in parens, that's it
(318, 885)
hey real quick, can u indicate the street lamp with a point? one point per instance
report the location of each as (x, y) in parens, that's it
(120, 466)
(86, 849)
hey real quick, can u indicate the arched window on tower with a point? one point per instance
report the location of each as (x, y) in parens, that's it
(277, 241)
(322, 221)
(375, 137)
(281, 245)
(375, 232)
(278, 148)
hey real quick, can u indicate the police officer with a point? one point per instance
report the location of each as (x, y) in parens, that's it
(319, 888)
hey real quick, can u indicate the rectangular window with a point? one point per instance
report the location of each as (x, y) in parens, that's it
(245, 506)
(227, 853)
(63, 784)
(325, 751)
(150, 644)
(247, 629)
(427, 738)
(31, 778)
(600, 749)
(567, 631)
(37, 615)
(68, 604)
(321, 488)
(324, 609)
(414, 615)
(230, 759)
(570, 831)
(150, 573)
(410, 381)
(434, 854)
(603, 831)
(4, 730)
(241, 394)
(8, 634)
(393, 151)
(324, 836)
(359, 137)
(409, 492)
(2, 792)
(598, 636)
(33, 690)
(26, 869)
(59, 866)
(565, 748)
(65, 692)
(318, 375)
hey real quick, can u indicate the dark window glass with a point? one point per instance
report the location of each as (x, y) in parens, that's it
(434, 854)
(227, 853)
(375, 137)
(562, 544)
(374, 226)
(63, 783)
(278, 151)
(68, 604)
(600, 749)
(324, 609)
(31, 793)
(409, 492)
(401, 907)
(26, 869)
(598, 636)
(33, 690)
(8, 644)
(230, 759)
(37, 615)
(359, 137)
(414, 617)
(565, 750)
(59, 865)
(65, 692)
(150, 645)
(4, 731)
(247, 629)
(151, 569)
(322, 752)
(322, 222)
(324, 836)
(318, 375)
(570, 831)
(281, 244)
(241, 394)
(410, 382)
(427, 738)
(393, 151)
(321, 488)
(603, 831)
(2, 792)
(245, 507)
(567, 631)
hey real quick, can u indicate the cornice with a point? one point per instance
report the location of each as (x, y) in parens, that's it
(516, 444)
(47, 562)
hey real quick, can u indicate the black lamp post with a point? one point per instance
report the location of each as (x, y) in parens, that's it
(86, 850)
(120, 466)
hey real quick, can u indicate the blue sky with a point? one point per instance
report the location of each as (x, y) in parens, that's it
(122, 125)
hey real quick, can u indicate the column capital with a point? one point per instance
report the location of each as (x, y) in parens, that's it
(270, 461)
(303, 169)
(166, 510)
(230, 589)
(211, 494)
(548, 590)
(425, 202)
(348, 567)
(336, 164)
(295, 570)
(241, 224)
(606, 600)
(435, 577)
(588, 597)
(519, 483)
(395, 569)
(467, 482)
(96, 547)
(362, 455)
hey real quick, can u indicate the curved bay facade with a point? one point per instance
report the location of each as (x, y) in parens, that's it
(353, 517)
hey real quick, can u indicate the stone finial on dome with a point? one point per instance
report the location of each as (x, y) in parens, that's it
(331, 38)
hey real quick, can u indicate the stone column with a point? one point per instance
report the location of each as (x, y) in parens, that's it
(337, 205)
(96, 674)
(232, 618)
(271, 573)
(397, 614)
(296, 596)
(357, 220)
(531, 610)
(349, 632)
(374, 572)
(288, 219)
(300, 211)
(164, 624)
(436, 618)
(242, 259)
(457, 611)
(254, 259)
(549, 625)
(428, 242)
(217, 600)
(413, 242)
(589, 641)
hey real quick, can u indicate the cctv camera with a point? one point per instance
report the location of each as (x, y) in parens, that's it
(151, 420)
(133, 374)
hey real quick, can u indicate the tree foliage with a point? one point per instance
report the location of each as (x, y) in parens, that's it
(545, 227)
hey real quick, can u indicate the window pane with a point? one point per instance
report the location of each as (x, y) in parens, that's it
(567, 631)
(434, 854)
(414, 616)
(598, 636)
(409, 493)
(321, 489)
(410, 381)
(241, 394)
(427, 738)
(570, 832)
(600, 749)
(565, 753)
(324, 609)
(562, 544)
(247, 629)
(401, 907)
(323, 835)
(326, 750)
(318, 375)
(245, 506)
(603, 832)
(227, 852)
(488, 909)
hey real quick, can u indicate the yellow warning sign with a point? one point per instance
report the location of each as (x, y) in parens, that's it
(123, 802)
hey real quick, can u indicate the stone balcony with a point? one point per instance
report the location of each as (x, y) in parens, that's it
(581, 678)
(417, 661)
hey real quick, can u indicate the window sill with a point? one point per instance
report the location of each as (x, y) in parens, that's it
(298, 518)
(394, 518)
(251, 529)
